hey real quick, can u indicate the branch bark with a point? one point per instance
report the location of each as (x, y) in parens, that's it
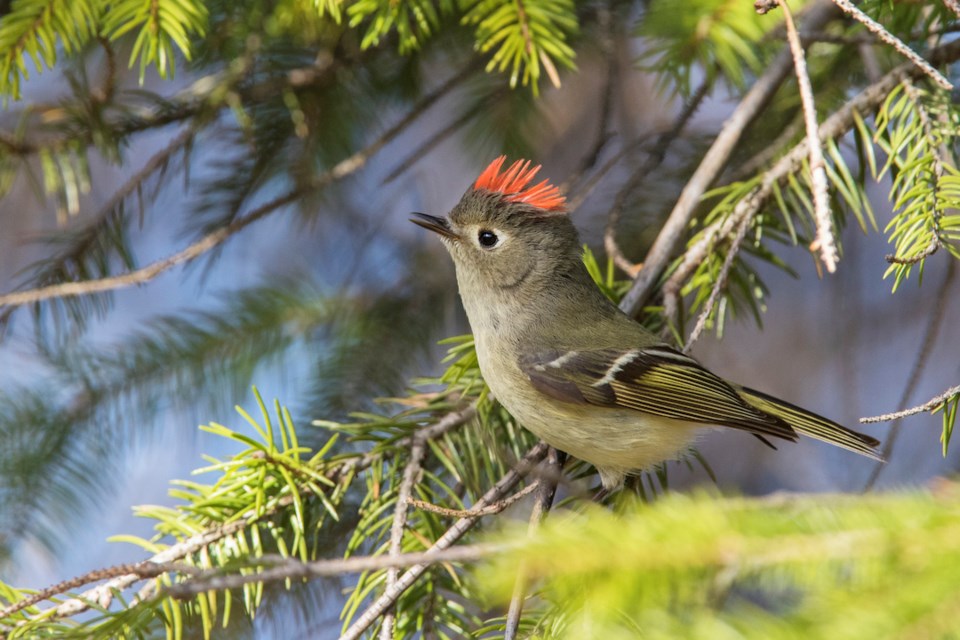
(670, 236)
(448, 539)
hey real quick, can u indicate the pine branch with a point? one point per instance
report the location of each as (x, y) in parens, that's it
(104, 593)
(833, 127)
(675, 227)
(341, 170)
(448, 539)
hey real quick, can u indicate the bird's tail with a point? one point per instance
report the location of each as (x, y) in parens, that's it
(812, 425)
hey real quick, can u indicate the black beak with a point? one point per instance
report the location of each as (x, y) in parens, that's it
(433, 223)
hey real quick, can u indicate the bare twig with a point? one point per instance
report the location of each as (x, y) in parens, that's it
(581, 191)
(439, 136)
(142, 570)
(104, 94)
(475, 512)
(668, 240)
(411, 475)
(448, 539)
(346, 469)
(721, 282)
(341, 170)
(770, 151)
(832, 127)
(954, 6)
(895, 42)
(545, 495)
(286, 568)
(696, 254)
(825, 242)
(929, 405)
(603, 135)
(654, 158)
(934, 324)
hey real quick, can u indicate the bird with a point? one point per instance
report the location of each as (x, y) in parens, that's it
(566, 362)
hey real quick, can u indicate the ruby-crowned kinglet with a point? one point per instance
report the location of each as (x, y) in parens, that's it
(566, 362)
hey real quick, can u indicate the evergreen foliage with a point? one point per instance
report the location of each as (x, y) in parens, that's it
(278, 106)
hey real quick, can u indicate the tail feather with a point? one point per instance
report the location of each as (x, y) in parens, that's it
(812, 425)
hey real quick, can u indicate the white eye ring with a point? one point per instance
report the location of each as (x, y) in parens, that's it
(488, 239)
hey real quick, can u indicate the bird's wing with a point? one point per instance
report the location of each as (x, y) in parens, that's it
(655, 380)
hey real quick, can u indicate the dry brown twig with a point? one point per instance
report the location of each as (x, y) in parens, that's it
(146, 569)
(674, 229)
(448, 539)
(547, 489)
(411, 475)
(930, 405)
(655, 157)
(877, 29)
(476, 512)
(930, 333)
(826, 242)
(286, 568)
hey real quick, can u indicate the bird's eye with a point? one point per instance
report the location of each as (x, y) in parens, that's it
(487, 239)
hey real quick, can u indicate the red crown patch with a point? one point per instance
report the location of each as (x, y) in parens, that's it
(513, 182)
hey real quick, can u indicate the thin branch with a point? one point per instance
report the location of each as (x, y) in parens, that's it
(421, 150)
(142, 570)
(476, 512)
(929, 405)
(104, 94)
(954, 6)
(895, 42)
(769, 151)
(286, 568)
(545, 495)
(580, 192)
(819, 185)
(341, 170)
(870, 39)
(654, 159)
(672, 232)
(151, 271)
(934, 324)
(346, 469)
(448, 539)
(721, 282)
(411, 475)
(611, 70)
(839, 123)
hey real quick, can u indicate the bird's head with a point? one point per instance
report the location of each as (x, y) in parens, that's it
(505, 234)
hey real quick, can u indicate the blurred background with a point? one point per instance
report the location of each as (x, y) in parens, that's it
(334, 299)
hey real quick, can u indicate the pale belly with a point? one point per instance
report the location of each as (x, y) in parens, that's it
(616, 441)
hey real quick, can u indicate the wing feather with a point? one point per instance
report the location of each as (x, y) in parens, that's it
(658, 381)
